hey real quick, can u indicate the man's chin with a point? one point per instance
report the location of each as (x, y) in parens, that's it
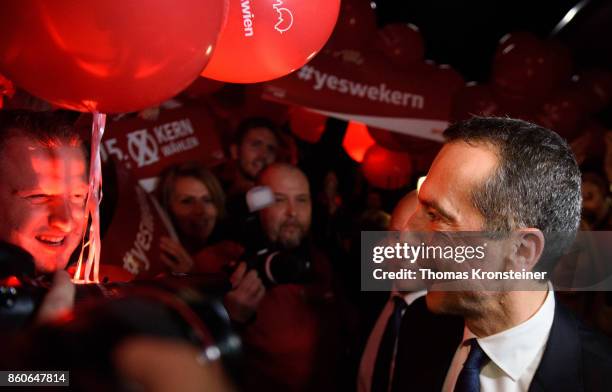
(290, 242)
(50, 266)
(49, 263)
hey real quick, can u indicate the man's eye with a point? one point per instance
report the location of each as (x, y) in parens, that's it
(38, 198)
(79, 198)
(433, 216)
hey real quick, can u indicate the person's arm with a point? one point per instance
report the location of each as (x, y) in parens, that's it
(175, 256)
(246, 294)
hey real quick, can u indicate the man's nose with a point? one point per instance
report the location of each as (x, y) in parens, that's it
(414, 223)
(61, 216)
(291, 211)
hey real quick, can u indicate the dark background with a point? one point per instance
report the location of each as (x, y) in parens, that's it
(465, 34)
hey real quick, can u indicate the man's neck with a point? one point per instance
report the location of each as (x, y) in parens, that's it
(241, 184)
(510, 310)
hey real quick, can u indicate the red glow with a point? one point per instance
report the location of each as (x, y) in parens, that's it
(387, 169)
(357, 140)
(11, 281)
(307, 125)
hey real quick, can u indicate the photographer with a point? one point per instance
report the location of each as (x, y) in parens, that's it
(43, 187)
(105, 343)
(290, 342)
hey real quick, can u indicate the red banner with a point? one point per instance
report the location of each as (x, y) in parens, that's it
(146, 147)
(353, 84)
(136, 227)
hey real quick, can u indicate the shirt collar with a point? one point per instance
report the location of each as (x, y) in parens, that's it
(409, 297)
(514, 349)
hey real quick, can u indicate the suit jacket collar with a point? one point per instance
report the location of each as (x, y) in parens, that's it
(563, 348)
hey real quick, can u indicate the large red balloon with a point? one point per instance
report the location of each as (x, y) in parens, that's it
(387, 169)
(356, 25)
(6, 89)
(267, 39)
(357, 140)
(524, 67)
(596, 87)
(474, 100)
(110, 55)
(444, 75)
(562, 58)
(562, 112)
(401, 43)
(307, 125)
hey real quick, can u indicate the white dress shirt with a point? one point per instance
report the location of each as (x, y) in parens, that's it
(514, 354)
(368, 359)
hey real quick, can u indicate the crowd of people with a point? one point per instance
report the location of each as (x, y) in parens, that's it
(293, 265)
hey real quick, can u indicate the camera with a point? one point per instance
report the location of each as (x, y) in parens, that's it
(281, 266)
(274, 266)
(179, 308)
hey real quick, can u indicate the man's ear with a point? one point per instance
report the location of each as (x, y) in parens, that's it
(234, 151)
(529, 245)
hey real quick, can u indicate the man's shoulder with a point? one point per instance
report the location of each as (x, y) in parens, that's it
(576, 357)
(594, 345)
(596, 355)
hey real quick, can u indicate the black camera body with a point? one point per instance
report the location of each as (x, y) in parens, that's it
(281, 266)
(180, 308)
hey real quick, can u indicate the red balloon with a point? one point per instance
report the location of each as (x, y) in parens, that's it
(357, 140)
(401, 43)
(524, 68)
(384, 138)
(562, 58)
(447, 77)
(356, 24)
(396, 141)
(6, 89)
(307, 125)
(474, 100)
(596, 87)
(387, 169)
(107, 56)
(597, 144)
(267, 39)
(562, 113)
(513, 39)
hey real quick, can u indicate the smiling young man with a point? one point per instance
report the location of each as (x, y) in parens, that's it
(43, 187)
(256, 146)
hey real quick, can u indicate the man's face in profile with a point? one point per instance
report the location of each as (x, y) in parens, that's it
(445, 205)
(42, 200)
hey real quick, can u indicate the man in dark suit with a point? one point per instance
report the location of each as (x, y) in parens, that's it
(519, 183)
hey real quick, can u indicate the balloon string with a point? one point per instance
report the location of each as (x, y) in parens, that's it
(92, 209)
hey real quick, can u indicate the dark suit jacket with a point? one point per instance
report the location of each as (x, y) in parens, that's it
(576, 358)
